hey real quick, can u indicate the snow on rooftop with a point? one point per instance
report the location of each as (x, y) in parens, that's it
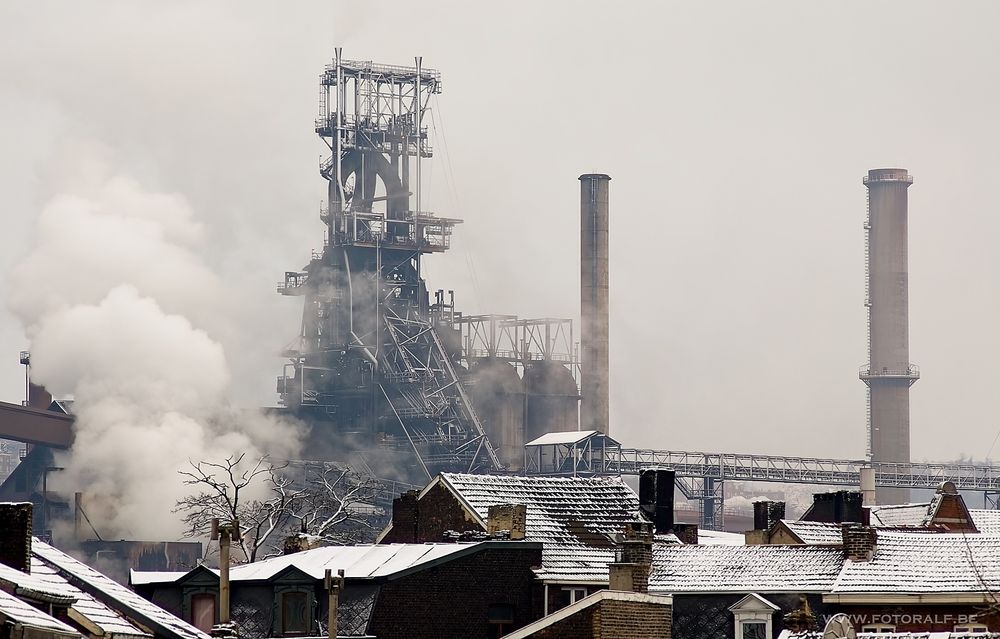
(562, 437)
(575, 518)
(143, 577)
(726, 568)
(106, 589)
(815, 533)
(24, 613)
(986, 521)
(899, 515)
(906, 562)
(720, 538)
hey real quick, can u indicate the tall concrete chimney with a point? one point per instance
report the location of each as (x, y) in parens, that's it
(889, 373)
(594, 301)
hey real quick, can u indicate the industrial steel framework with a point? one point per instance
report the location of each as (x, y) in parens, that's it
(704, 474)
(374, 364)
(518, 341)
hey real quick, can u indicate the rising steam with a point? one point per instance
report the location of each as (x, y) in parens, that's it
(124, 317)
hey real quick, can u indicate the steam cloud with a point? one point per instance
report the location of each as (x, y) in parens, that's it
(121, 315)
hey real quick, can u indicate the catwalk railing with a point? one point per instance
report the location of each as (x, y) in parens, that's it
(803, 470)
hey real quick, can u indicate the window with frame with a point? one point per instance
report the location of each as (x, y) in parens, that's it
(203, 611)
(294, 613)
(878, 628)
(501, 620)
(754, 629)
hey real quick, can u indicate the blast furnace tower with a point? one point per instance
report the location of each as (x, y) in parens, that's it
(375, 364)
(889, 373)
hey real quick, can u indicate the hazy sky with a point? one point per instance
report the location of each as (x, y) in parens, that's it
(736, 135)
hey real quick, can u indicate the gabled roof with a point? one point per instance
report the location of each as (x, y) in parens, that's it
(45, 585)
(25, 614)
(688, 568)
(113, 595)
(753, 601)
(575, 518)
(814, 533)
(568, 437)
(908, 562)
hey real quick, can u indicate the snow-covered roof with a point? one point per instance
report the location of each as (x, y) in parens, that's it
(562, 437)
(690, 568)
(90, 609)
(113, 594)
(575, 518)
(987, 521)
(908, 562)
(23, 613)
(357, 562)
(815, 533)
(143, 577)
(899, 515)
(44, 584)
(720, 538)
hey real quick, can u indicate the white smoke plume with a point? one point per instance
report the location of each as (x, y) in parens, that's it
(124, 317)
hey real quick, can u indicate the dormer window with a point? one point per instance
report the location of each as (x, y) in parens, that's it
(753, 617)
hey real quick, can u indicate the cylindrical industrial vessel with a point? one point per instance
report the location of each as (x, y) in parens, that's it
(594, 301)
(497, 395)
(552, 399)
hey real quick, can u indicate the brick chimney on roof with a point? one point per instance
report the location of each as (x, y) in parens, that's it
(633, 559)
(15, 535)
(507, 519)
(859, 541)
(767, 513)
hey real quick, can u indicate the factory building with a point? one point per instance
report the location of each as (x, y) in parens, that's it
(384, 364)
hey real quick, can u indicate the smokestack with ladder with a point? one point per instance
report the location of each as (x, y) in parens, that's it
(889, 373)
(594, 301)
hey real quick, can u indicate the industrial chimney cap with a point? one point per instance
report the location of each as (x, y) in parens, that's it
(595, 176)
(888, 175)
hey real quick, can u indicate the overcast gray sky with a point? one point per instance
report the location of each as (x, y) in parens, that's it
(736, 135)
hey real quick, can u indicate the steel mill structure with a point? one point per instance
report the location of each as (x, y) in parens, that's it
(888, 373)
(382, 366)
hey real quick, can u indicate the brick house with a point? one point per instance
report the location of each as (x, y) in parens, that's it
(576, 519)
(454, 590)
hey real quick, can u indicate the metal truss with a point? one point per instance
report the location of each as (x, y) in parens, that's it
(701, 476)
(428, 399)
(518, 341)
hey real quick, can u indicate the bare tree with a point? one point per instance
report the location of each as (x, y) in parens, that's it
(336, 505)
(223, 496)
(330, 503)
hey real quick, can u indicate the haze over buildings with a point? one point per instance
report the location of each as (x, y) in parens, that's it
(736, 143)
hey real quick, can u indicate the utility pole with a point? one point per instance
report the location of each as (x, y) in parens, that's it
(333, 587)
